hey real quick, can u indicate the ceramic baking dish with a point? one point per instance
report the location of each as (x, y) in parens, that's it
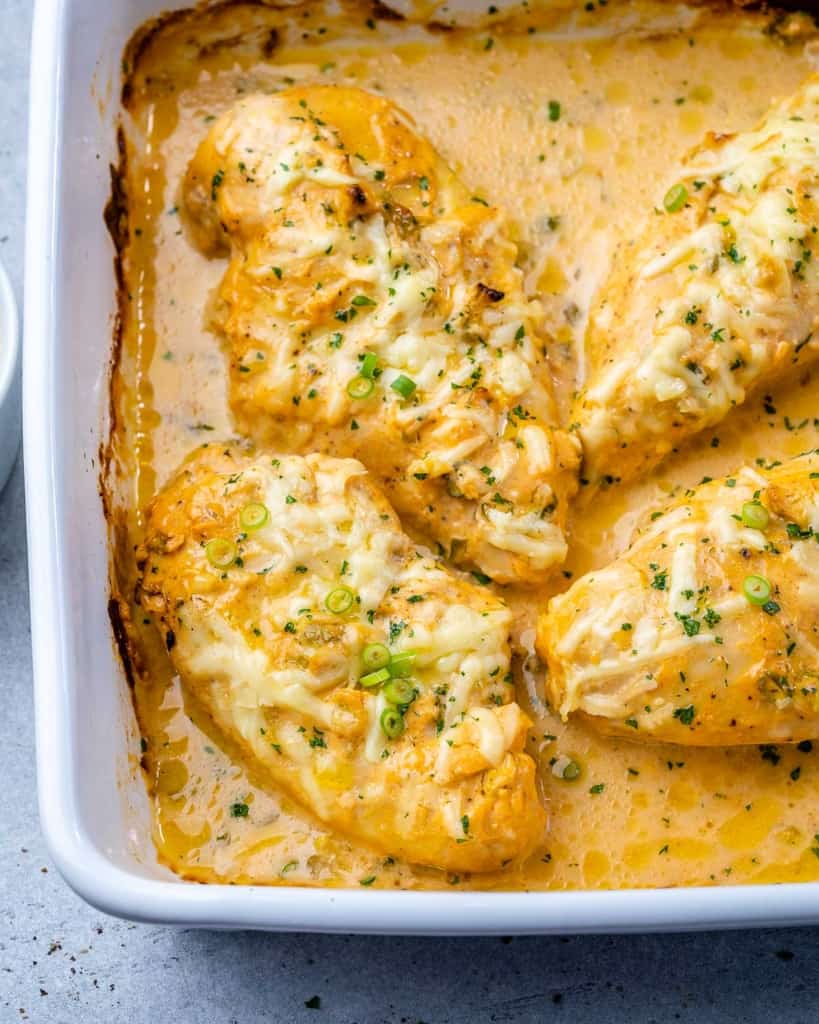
(93, 804)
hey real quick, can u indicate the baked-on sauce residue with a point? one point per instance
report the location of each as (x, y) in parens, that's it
(569, 117)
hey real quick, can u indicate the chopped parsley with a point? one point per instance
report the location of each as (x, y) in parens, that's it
(685, 715)
(215, 182)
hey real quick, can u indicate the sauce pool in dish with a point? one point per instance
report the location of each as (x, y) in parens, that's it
(571, 129)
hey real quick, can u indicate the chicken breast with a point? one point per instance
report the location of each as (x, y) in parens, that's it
(716, 299)
(706, 631)
(372, 308)
(350, 669)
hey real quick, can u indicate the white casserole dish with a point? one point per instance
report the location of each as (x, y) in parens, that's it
(93, 804)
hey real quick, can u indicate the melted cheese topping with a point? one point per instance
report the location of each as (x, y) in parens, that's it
(708, 661)
(716, 299)
(256, 639)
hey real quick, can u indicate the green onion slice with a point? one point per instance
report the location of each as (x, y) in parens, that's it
(675, 198)
(404, 386)
(339, 600)
(221, 553)
(571, 771)
(369, 364)
(400, 664)
(399, 691)
(360, 387)
(253, 515)
(755, 515)
(757, 589)
(375, 678)
(375, 656)
(392, 723)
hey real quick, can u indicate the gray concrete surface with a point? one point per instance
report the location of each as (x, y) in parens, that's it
(63, 963)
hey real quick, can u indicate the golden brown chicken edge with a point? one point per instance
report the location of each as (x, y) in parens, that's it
(116, 216)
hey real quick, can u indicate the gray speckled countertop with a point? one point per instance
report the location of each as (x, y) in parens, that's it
(63, 963)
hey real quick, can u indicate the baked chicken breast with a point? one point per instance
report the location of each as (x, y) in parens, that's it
(706, 631)
(372, 308)
(717, 298)
(358, 674)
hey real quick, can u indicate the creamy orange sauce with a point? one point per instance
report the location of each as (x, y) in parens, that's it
(573, 129)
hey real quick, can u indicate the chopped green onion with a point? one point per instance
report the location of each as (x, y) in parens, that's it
(755, 515)
(400, 665)
(369, 364)
(339, 601)
(362, 300)
(675, 198)
(375, 656)
(360, 387)
(571, 771)
(392, 723)
(253, 515)
(375, 678)
(403, 385)
(757, 589)
(399, 691)
(221, 553)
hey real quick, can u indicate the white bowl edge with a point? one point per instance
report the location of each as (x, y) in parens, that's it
(9, 377)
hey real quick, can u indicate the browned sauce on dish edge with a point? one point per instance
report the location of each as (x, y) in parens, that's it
(570, 121)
